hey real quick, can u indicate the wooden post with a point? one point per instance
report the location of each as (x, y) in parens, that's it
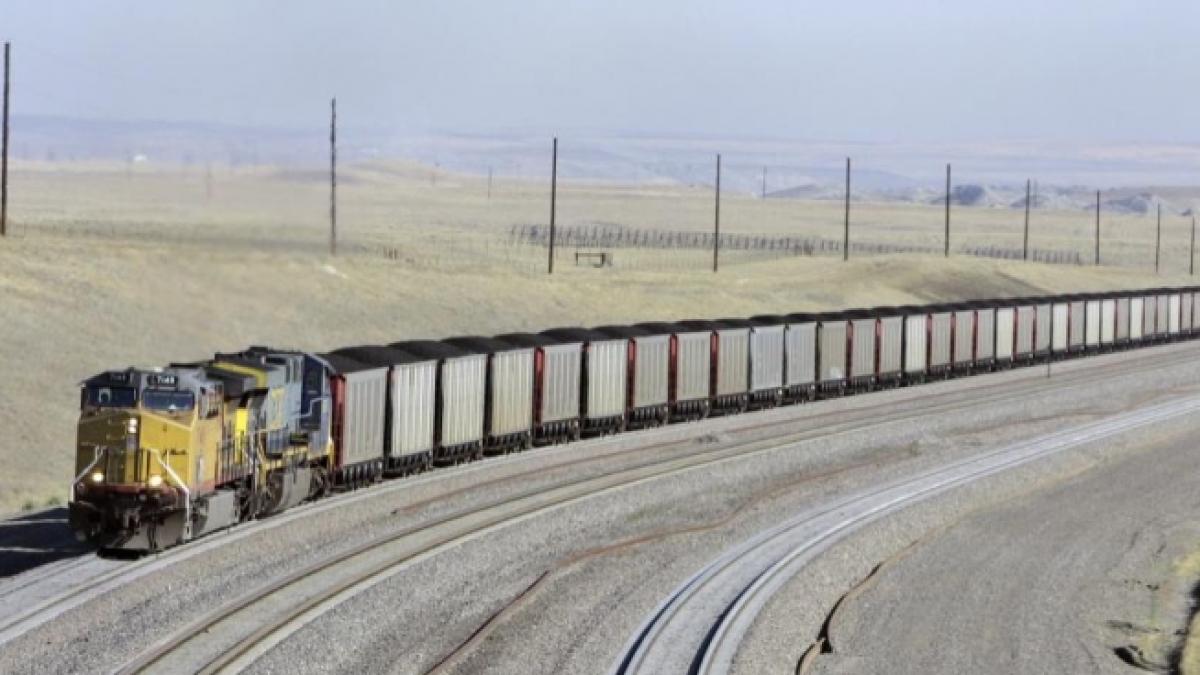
(947, 210)
(1097, 227)
(4, 153)
(553, 201)
(1158, 240)
(333, 176)
(1025, 247)
(846, 228)
(1192, 250)
(717, 218)
(764, 183)
(489, 182)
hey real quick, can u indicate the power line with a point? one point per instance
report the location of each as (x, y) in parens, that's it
(553, 201)
(4, 149)
(947, 210)
(1025, 246)
(846, 232)
(333, 176)
(717, 218)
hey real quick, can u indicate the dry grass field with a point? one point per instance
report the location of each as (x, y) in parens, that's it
(109, 265)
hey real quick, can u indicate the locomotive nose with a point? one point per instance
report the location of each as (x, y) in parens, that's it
(120, 463)
(131, 424)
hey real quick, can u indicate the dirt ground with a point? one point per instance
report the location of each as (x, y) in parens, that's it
(109, 265)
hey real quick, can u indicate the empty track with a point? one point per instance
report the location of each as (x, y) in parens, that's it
(700, 626)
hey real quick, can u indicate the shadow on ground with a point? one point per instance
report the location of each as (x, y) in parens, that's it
(35, 539)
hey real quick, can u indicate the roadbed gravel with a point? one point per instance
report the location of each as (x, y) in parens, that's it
(561, 591)
(1083, 576)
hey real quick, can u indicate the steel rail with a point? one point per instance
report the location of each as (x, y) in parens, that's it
(473, 521)
(774, 556)
(805, 417)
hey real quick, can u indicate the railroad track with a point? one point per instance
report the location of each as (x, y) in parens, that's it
(39, 596)
(700, 626)
(220, 641)
(50, 570)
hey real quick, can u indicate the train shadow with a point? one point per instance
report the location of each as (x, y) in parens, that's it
(33, 539)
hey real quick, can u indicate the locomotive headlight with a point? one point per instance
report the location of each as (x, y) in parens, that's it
(132, 425)
(154, 481)
(97, 477)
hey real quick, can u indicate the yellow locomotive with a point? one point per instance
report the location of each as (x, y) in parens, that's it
(166, 455)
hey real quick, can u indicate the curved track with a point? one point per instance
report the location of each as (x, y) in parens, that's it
(234, 635)
(700, 626)
(90, 577)
(1091, 574)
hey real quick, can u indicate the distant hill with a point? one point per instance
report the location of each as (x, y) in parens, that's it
(1140, 204)
(794, 168)
(1062, 199)
(52, 139)
(973, 195)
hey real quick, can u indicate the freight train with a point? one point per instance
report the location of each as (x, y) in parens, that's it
(166, 455)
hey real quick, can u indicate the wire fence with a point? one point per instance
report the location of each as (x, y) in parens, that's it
(522, 248)
(608, 236)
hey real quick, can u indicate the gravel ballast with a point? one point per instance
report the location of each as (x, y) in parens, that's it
(560, 591)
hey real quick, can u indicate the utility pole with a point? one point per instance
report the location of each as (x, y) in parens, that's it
(717, 218)
(489, 182)
(4, 153)
(553, 201)
(846, 230)
(947, 210)
(764, 183)
(1097, 227)
(1158, 239)
(1192, 250)
(333, 176)
(1025, 247)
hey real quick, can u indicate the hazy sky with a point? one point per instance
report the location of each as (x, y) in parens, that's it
(877, 70)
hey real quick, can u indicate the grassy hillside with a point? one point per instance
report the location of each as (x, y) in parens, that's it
(110, 267)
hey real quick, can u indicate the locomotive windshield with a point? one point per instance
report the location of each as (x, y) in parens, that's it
(168, 400)
(111, 397)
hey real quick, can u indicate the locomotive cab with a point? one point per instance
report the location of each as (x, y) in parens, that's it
(147, 443)
(166, 455)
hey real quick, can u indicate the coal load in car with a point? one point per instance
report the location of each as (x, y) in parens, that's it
(461, 386)
(603, 385)
(412, 406)
(730, 345)
(648, 402)
(508, 410)
(359, 395)
(558, 369)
